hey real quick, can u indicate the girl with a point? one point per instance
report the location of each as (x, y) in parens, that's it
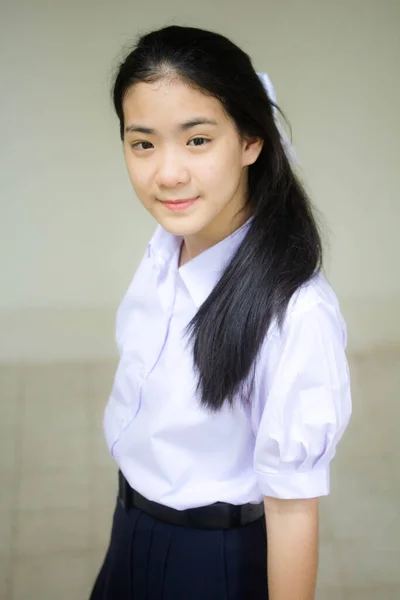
(232, 389)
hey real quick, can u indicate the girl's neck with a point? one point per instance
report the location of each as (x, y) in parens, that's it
(194, 245)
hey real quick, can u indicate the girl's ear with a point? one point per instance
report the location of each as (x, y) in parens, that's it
(251, 150)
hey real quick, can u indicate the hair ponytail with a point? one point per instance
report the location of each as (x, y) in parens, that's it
(280, 252)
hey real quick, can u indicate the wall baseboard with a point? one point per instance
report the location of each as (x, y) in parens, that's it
(55, 335)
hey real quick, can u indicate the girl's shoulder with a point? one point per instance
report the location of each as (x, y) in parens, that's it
(313, 303)
(316, 301)
(317, 291)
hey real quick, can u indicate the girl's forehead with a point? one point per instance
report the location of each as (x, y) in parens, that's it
(170, 97)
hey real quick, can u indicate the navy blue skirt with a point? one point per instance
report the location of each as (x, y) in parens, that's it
(148, 559)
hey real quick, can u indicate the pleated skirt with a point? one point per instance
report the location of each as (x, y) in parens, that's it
(148, 559)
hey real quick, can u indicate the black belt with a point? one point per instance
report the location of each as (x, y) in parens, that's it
(215, 516)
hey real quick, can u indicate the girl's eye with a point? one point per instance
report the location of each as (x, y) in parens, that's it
(199, 141)
(142, 145)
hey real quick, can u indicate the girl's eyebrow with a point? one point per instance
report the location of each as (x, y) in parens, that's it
(182, 126)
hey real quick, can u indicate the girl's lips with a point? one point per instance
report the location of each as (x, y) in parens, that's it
(180, 204)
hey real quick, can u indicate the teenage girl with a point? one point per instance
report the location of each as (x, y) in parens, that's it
(232, 389)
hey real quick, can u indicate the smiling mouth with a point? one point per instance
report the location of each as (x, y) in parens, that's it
(179, 204)
(179, 201)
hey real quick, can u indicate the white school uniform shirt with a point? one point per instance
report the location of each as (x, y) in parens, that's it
(177, 453)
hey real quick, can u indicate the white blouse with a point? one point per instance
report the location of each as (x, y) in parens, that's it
(175, 452)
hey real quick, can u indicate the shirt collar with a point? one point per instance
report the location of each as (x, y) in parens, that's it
(163, 246)
(202, 273)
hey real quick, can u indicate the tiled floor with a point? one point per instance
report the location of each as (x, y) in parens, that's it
(58, 484)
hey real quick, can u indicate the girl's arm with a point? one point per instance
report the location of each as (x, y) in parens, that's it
(292, 537)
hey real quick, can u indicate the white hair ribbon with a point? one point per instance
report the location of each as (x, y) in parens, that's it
(287, 144)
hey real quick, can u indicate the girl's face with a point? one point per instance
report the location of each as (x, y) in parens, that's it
(179, 146)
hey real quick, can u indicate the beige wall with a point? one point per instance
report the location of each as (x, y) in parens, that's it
(71, 230)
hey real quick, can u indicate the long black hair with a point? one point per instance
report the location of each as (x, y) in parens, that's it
(281, 249)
